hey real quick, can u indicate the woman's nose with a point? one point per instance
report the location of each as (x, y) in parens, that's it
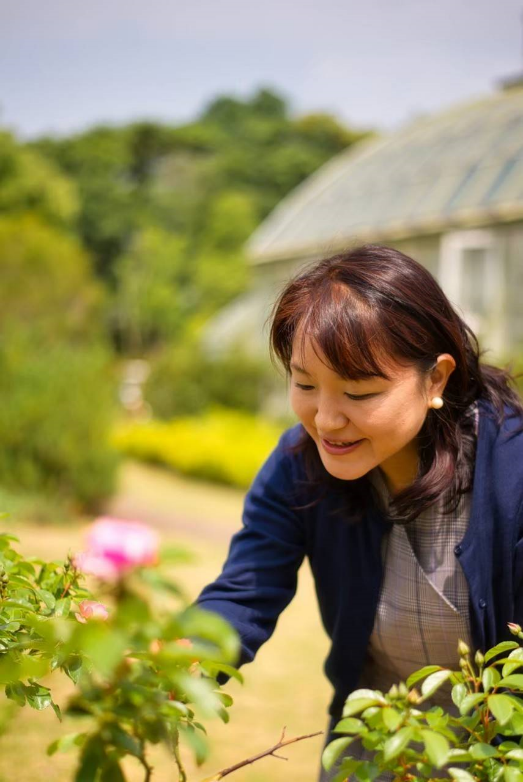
(329, 418)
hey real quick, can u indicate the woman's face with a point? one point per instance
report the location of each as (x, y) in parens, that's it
(383, 415)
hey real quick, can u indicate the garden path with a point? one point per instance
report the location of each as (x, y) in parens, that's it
(176, 505)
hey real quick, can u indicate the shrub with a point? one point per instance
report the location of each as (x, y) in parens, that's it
(481, 744)
(57, 408)
(184, 381)
(223, 445)
(138, 677)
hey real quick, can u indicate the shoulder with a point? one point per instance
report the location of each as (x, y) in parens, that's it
(284, 469)
(499, 456)
(505, 435)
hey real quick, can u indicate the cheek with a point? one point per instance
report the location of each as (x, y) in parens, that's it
(302, 406)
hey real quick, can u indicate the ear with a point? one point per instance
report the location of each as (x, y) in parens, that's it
(445, 366)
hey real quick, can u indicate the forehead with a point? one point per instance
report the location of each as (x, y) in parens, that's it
(308, 356)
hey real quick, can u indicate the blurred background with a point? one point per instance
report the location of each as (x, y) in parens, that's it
(164, 168)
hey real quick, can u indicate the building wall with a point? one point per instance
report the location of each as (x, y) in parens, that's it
(513, 243)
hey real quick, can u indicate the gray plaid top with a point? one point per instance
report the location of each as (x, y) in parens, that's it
(424, 602)
(423, 610)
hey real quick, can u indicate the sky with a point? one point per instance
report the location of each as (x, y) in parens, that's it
(66, 65)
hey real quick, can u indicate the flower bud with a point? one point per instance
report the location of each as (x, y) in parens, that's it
(393, 692)
(91, 609)
(414, 696)
(514, 628)
(463, 649)
(463, 663)
(479, 658)
(403, 690)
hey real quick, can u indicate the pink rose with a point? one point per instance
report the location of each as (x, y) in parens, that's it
(115, 546)
(96, 566)
(91, 609)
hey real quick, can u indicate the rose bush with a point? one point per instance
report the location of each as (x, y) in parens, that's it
(144, 662)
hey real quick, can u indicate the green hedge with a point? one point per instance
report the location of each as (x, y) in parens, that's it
(223, 445)
(58, 405)
(186, 382)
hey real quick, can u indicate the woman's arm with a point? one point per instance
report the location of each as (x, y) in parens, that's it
(259, 577)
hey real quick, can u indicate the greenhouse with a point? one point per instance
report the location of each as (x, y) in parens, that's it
(446, 189)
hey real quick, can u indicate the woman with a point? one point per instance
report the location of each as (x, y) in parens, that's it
(402, 483)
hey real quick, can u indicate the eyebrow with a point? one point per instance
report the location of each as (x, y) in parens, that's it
(297, 367)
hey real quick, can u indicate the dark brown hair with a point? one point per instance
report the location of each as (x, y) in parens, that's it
(374, 302)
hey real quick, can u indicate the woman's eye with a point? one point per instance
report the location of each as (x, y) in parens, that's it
(362, 396)
(303, 388)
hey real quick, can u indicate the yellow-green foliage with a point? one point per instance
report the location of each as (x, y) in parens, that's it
(222, 445)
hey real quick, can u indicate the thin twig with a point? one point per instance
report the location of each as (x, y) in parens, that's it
(182, 776)
(282, 743)
(147, 767)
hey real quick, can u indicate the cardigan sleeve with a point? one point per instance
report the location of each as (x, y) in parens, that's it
(259, 577)
(518, 572)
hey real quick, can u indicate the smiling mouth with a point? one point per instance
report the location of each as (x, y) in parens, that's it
(339, 443)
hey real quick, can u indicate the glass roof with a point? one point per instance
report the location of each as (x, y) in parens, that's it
(455, 168)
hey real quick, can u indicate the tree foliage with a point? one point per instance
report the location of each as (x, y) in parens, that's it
(209, 182)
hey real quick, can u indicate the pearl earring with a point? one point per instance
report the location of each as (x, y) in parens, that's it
(436, 402)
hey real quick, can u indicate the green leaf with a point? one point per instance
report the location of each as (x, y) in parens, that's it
(198, 743)
(48, 598)
(350, 725)
(16, 692)
(471, 700)
(458, 756)
(367, 771)
(516, 723)
(214, 668)
(459, 692)
(365, 693)
(62, 607)
(90, 761)
(515, 661)
(38, 697)
(504, 646)
(57, 710)
(397, 743)
(210, 626)
(434, 682)
(65, 743)
(501, 707)
(73, 667)
(514, 754)
(481, 751)
(333, 750)
(512, 774)
(515, 681)
(437, 747)
(224, 698)
(124, 740)
(460, 775)
(357, 705)
(506, 746)
(391, 718)
(112, 772)
(490, 678)
(417, 675)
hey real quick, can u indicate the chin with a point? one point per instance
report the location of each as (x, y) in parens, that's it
(345, 472)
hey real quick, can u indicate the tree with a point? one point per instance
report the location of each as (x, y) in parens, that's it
(30, 182)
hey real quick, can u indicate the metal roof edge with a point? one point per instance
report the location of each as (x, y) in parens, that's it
(505, 213)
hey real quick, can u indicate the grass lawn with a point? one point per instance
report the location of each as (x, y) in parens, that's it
(285, 686)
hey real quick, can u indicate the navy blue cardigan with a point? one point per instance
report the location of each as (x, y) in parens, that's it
(259, 577)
